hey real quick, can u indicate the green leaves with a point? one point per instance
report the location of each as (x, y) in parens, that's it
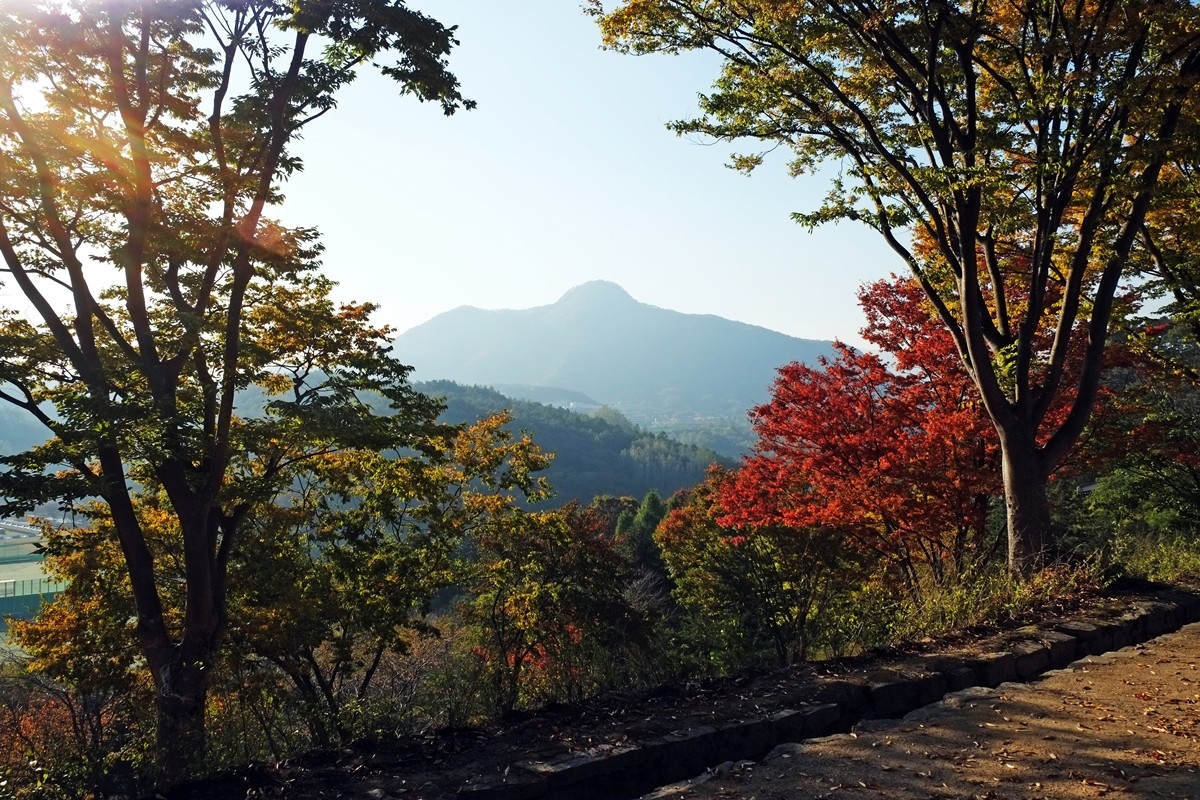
(547, 596)
(141, 143)
(1008, 154)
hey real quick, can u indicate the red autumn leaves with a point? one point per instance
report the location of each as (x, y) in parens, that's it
(891, 450)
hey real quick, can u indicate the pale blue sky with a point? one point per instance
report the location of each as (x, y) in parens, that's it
(565, 173)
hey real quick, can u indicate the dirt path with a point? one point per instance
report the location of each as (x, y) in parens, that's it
(1121, 725)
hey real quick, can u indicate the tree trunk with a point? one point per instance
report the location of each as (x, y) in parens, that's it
(1027, 506)
(182, 685)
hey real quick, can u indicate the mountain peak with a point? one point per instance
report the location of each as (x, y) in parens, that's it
(597, 292)
(596, 339)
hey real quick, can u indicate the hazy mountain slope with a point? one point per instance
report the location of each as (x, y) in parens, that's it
(598, 340)
(547, 395)
(19, 431)
(593, 456)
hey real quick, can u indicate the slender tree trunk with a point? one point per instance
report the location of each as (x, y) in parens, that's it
(1027, 506)
(314, 711)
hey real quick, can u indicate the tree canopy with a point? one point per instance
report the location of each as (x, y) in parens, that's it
(141, 145)
(1009, 154)
(892, 451)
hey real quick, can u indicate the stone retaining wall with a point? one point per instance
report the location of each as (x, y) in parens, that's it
(835, 705)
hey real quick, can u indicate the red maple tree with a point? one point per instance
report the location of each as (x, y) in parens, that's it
(894, 450)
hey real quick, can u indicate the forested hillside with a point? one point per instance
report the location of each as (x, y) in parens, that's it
(593, 454)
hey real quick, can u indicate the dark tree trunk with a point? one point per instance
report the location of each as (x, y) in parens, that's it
(180, 663)
(182, 691)
(1027, 506)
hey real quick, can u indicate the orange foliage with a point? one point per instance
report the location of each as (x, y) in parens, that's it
(897, 456)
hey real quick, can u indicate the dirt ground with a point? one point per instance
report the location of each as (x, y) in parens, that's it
(1121, 725)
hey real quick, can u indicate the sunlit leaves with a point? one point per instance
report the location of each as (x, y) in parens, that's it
(974, 139)
(546, 588)
(898, 458)
(140, 147)
(753, 585)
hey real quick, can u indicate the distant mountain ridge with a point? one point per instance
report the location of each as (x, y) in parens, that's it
(649, 362)
(593, 455)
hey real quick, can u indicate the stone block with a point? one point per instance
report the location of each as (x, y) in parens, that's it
(784, 751)
(1124, 633)
(995, 668)
(931, 687)
(1032, 657)
(851, 695)
(749, 739)
(573, 768)
(1063, 648)
(1086, 635)
(1134, 624)
(1156, 620)
(1103, 638)
(787, 725)
(821, 719)
(1172, 614)
(969, 697)
(892, 694)
(961, 677)
(1190, 604)
(694, 745)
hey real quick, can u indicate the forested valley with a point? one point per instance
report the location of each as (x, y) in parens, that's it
(349, 555)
